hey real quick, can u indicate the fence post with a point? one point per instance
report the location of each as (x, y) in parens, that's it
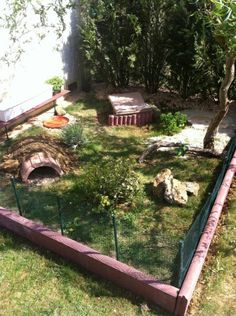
(13, 183)
(6, 133)
(181, 263)
(115, 236)
(60, 215)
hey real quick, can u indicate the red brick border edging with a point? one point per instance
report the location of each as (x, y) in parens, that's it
(128, 277)
(137, 119)
(194, 271)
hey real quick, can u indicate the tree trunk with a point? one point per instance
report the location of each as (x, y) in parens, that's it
(223, 103)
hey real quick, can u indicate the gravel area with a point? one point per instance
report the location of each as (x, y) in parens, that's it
(194, 135)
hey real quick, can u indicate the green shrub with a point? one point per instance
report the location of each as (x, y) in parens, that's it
(73, 135)
(182, 150)
(109, 183)
(56, 83)
(152, 42)
(109, 31)
(172, 123)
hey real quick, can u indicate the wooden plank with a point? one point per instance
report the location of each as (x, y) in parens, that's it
(128, 103)
(42, 107)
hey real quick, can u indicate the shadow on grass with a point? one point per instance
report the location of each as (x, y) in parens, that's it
(67, 272)
(112, 146)
(150, 251)
(7, 197)
(102, 108)
(195, 222)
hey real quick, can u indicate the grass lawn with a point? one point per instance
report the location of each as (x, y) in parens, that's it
(38, 283)
(150, 230)
(35, 282)
(216, 291)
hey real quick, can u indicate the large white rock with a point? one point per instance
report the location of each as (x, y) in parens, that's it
(192, 188)
(175, 192)
(159, 184)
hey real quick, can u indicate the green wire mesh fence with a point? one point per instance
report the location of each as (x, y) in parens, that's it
(116, 237)
(39, 205)
(188, 246)
(153, 251)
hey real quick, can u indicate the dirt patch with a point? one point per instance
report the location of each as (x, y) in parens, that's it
(165, 100)
(23, 149)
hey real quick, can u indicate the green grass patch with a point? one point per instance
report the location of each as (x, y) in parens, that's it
(216, 293)
(34, 282)
(149, 229)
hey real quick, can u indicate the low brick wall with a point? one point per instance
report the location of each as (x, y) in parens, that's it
(138, 119)
(125, 276)
(194, 271)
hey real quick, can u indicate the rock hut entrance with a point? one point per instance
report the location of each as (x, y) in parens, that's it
(42, 173)
(40, 165)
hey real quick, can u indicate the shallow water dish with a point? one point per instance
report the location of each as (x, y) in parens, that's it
(56, 122)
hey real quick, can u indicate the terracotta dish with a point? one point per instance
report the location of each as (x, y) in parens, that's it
(56, 121)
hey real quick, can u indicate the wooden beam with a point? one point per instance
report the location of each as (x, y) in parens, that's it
(40, 108)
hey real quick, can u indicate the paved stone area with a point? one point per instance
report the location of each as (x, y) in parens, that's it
(194, 135)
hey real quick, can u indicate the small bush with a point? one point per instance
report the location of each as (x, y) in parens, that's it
(73, 135)
(106, 185)
(172, 123)
(56, 83)
(182, 150)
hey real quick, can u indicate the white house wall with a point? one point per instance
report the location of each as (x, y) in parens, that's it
(41, 59)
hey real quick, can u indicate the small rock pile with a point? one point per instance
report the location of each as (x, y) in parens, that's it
(173, 190)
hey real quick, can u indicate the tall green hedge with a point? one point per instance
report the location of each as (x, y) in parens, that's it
(157, 43)
(110, 31)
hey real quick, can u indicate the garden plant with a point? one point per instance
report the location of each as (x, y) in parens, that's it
(172, 123)
(187, 48)
(56, 83)
(73, 135)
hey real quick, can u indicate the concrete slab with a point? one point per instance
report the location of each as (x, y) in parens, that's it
(128, 103)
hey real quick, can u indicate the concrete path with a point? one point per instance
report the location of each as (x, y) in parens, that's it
(194, 135)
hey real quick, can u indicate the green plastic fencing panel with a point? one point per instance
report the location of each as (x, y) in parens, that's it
(188, 246)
